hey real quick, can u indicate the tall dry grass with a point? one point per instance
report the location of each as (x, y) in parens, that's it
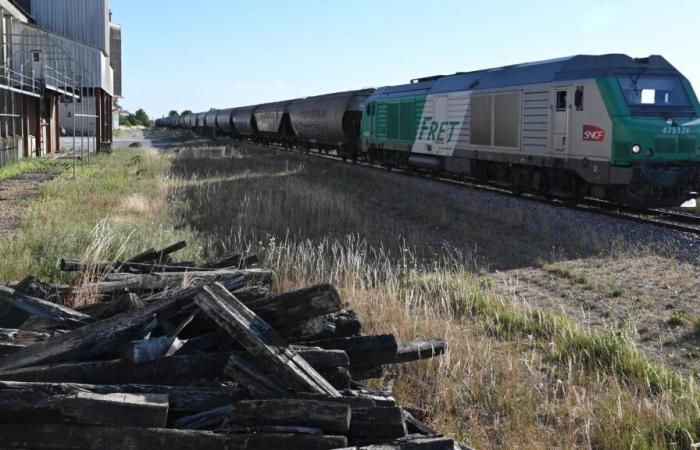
(514, 377)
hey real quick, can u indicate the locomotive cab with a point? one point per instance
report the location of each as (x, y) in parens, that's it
(656, 133)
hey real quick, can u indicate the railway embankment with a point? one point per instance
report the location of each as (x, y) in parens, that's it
(415, 259)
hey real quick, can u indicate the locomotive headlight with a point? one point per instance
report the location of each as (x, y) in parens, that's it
(636, 149)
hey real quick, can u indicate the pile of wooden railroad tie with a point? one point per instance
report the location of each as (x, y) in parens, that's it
(219, 364)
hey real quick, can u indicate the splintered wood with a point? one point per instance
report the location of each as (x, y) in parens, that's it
(180, 356)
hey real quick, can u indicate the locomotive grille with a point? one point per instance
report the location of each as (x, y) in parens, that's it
(686, 145)
(665, 145)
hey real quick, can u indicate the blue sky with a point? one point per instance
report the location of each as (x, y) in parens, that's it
(183, 54)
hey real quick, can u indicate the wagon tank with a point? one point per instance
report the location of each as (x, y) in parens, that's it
(274, 125)
(611, 126)
(330, 121)
(243, 121)
(224, 123)
(210, 119)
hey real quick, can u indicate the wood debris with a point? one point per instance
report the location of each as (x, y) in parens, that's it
(175, 355)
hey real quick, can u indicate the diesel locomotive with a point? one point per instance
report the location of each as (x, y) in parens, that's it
(612, 127)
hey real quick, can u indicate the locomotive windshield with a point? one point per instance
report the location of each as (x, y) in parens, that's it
(655, 93)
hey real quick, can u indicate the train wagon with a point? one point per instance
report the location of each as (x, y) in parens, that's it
(608, 126)
(210, 119)
(243, 121)
(224, 121)
(273, 123)
(331, 121)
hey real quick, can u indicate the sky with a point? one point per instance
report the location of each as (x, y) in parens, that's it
(197, 55)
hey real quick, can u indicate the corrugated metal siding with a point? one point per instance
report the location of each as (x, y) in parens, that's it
(535, 121)
(60, 54)
(115, 58)
(86, 21)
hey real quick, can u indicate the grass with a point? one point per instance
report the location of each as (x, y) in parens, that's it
(514, 377)
(115, 196)
(32, 165)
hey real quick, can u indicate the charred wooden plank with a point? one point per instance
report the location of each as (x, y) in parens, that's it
(364, 350)
(260, 340)
(114, 409)
(81, 437)
(117, 409)
(183, 399)
(122, 303)
(372, 425)
(172, 370)
(52, 312)
(331, 417)
(73, 265)
(91, 340)
(420, 349)
(247, 375)
(115, 282)
(411, 443)
(298, 306)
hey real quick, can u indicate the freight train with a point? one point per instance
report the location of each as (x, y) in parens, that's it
(612, 127)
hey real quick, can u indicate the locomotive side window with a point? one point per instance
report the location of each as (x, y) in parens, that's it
(578, 100)
(561, 100)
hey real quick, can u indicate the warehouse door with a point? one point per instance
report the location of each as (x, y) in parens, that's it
(560, 130)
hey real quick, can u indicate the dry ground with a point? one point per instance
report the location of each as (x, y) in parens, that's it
(15, 194)
(654, 298)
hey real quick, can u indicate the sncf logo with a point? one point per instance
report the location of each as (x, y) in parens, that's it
(593, 133)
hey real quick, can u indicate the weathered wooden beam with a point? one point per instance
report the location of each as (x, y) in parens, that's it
(363, 350)
(247, 375)
(73, 265)
(122, 303)
(373, 425)
(336, 325)
(176, 369)
(331, 417)
(420, 349)
(115, 282)
(256, 336)
(91, 340)
(173, 370)
(237, 261)
(411, 443)
(183, 399)
(115, 409)
(297, 306)
(81, 437)
(56, 314)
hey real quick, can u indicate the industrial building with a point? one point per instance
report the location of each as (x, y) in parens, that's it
(60, 71)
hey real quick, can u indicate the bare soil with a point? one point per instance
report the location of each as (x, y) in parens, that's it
(655, 298)
(15, 195)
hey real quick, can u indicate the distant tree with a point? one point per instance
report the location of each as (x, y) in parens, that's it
(173, 113)
(126, 121)
(142, 118)
(185, 112)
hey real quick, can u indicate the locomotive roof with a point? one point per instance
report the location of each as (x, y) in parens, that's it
(570, 68)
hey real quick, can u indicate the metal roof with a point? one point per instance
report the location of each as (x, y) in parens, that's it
(571, 68)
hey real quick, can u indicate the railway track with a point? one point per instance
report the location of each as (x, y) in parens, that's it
(673, 220)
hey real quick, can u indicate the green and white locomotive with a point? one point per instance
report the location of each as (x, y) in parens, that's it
(611, 126)
(608, 126)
